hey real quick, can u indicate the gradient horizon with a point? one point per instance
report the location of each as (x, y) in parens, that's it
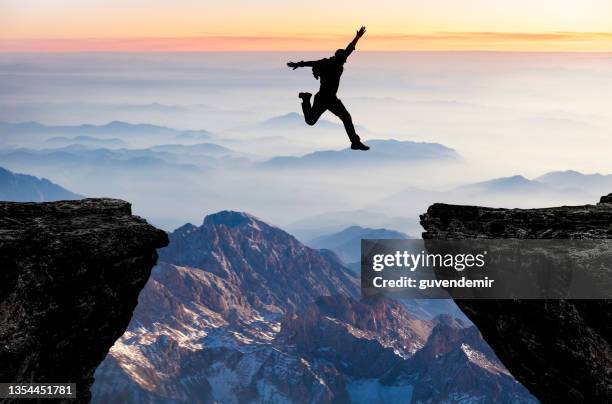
(268, 25)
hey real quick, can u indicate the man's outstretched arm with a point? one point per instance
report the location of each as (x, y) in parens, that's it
(351, 46)
(295, 65)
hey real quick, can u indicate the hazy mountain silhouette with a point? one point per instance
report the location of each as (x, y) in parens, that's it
(568, 187)
(382, 152)
(516, 183)
(347, 243)
(575, 181)
(27, 188)
(293, 121)
(567, 182)
(311, 227)
(86, 141)
(206, 149)
(104, 160)
(123, 130)
(177, 157)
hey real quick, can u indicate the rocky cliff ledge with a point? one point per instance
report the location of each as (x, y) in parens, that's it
(559, 349)
(70, 275)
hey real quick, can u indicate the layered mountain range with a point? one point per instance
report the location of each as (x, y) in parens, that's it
(240, 311)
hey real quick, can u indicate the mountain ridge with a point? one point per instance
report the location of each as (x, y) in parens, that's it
(18, 187)
(346, 243)
(383, 151)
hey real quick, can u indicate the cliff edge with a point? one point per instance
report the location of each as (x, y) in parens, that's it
(70, 275)
(559, 349)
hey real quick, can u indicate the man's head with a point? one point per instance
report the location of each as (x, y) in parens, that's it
(340, 54)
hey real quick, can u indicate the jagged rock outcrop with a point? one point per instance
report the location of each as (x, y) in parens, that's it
(456, 366)
(362, 339)
(385, 320)
(274, 271)
(205, 324)
(70, 275)
(559, 349)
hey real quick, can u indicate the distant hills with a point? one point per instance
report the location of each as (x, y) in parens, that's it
(289, 134)
(85, 141)
(516, 183)
(382, 152)
(347, 243)
(175, 157)
(293, 121)
(573, 180)
(206, 149)
(559, 182)
(125, 131)
(94, 160)
(554, 188)
(123, 135)
(27, 188)
(311, 227)
(401, 210)
(114, 127)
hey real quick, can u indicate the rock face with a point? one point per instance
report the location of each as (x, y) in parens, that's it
(274, 271)
(363, 339)
(70, 276)
(456, 365)
(559, 349)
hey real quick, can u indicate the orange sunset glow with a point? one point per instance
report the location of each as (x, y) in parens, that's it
(267, 25)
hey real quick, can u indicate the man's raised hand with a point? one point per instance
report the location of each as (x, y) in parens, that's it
(360, 32)
(294, 65)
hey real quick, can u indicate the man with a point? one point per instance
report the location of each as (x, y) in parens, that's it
(329, 70)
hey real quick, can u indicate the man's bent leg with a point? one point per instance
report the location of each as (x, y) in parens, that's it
(314, 112)
(306, 108)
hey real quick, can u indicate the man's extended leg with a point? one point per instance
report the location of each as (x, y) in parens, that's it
(337, 108)
(314, 112)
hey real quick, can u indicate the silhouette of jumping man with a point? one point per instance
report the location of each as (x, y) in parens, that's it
(329, 70)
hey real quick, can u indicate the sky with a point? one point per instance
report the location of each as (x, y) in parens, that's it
(271, 25)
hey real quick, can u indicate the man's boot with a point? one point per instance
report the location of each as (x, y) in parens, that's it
(357, 145)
